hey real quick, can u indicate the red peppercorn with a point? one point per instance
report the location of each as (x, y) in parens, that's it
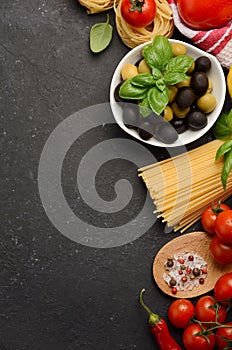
(190, 257)
(201, 280)
(180, 272)
(188, 270)
(181, 261)
(174, 290)
(204, 271)
(184, 279)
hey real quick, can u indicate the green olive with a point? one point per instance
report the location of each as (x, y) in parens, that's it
(191, 68)
(210, 87)
(143, 67)
(180, 113)
(172, 93)
(186, 82)
(207, 103)
(168, 113)
(128, 71)
(178, 49)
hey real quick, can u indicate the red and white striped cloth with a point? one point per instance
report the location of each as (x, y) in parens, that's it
(218, 41)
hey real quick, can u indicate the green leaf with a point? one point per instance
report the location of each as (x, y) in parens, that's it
(158, 99)
(158, 53)
(100, 36)
(157, 74)
(226, 168)
(179, 64)
(133, 92)
(143, 79)
(160, 83)
(223, 126)
(173, 78)
(223, 149)
(144, 108)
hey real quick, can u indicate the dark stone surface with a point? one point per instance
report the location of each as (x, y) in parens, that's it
(56, 294)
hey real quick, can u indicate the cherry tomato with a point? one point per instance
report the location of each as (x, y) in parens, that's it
(223, 288)
(180, 312)
(208, 310)
(222, 334)
(138, 13)
(221, 252)
(223, 226)
(205, 14)
(192, 341)
(209, 216)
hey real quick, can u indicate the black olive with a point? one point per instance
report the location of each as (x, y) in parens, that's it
(131, 116)
(196, 120)
(166, 133)
(199, 83)
(202, 64)
(179, 124)
(185, 97)
(146, 130)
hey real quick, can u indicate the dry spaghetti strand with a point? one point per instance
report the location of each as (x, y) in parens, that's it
(163, 25)
(182, 187)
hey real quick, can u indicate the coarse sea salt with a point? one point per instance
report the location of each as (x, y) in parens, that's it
(185, 271)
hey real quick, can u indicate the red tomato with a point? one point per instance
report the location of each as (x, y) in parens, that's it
(223, 288)
(205, 14)
(209, 216)
(208, 310)
(221, 252)
(192, 341)
(138, 13)
(223, 226)
(222, 334)
(180, 312)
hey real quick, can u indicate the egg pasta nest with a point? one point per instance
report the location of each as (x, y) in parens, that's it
(96, 6)
(163, 25)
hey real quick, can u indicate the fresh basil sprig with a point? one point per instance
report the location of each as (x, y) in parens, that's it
(165, 70)
(101, 35)
(223, 131)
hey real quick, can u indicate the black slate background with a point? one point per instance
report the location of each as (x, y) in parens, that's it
(56, 294)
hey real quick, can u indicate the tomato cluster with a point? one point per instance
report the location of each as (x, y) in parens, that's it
(217, 220)
(205, 323)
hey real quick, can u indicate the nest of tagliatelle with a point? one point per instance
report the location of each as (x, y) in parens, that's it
(97, 6)
(131, 36)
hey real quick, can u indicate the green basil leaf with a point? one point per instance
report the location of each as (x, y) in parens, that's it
(133, 92)
(158, 53)
(143, 79)
(223, 126)
(173, 78)
(160, 83)
(226, 168)
(157, 74)
(158, 99)
(100, 35)
(144, 108)
(223, 149)
(179, 64)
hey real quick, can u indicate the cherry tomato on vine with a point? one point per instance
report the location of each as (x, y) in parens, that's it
(223, 288)
(224, 337)
(196, 337)
(205, 14)
(223, 226)
(210, 214)
(208, 310)
(180, 312)
(138, 13)
(221, 252)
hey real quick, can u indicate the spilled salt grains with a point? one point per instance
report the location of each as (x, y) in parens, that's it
(185, 271)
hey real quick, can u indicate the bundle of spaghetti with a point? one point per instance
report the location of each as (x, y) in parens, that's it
(96, 6)
(182, 186)
(131, 36)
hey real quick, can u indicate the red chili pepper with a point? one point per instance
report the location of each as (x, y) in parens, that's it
(159, 329)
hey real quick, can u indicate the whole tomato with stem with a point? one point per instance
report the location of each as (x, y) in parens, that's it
(223, 289)
(180, 312)
(223, 226)
(210, 214)
(224, 337)
(207, 14)
(209, 311)
(138, 13)
(221, 252)
(197, 337)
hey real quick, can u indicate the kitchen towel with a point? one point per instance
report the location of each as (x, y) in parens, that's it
(217, 41)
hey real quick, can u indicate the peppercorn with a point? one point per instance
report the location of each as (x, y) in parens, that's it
(172, 282)
(196, 271)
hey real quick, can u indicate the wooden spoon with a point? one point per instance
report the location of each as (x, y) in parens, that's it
(196, 242)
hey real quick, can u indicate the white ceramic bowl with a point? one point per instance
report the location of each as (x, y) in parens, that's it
(219, 91)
